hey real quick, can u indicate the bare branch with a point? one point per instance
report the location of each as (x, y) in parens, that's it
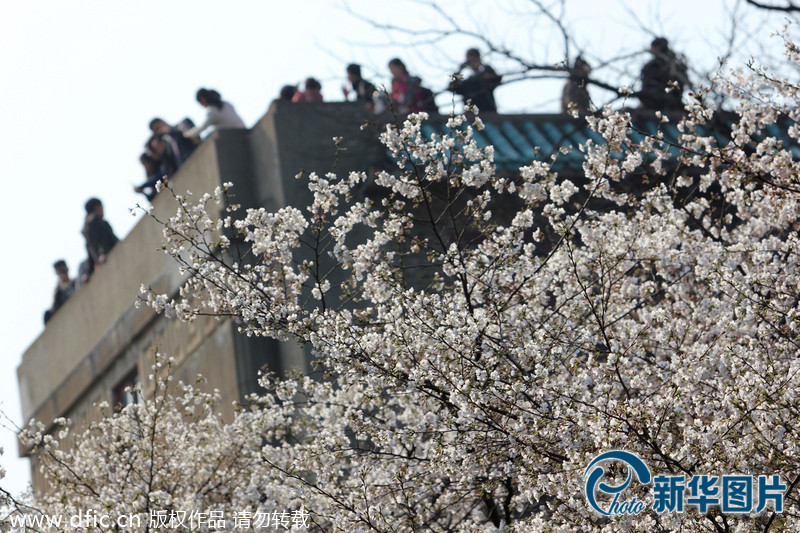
(789, 7)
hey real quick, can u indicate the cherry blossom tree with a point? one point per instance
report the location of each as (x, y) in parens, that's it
(484, 336)
(166, 463)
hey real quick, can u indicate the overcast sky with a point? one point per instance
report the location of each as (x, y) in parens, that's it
(80, 80)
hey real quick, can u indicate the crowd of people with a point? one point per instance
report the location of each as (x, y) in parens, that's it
(408, 94)
(166, 149)
(169, 146)
(663, 80)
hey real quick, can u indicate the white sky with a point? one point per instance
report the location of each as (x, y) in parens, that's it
(80, 80)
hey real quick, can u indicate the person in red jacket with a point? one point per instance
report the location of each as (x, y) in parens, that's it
(311, 93)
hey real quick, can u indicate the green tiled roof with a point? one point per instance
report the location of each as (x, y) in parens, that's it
(520, 139)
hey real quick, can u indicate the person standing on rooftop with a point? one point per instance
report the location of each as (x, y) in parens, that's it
(663, 79)
(406, 89)
(312, 92)
(97, 232)
(221, 115)
(576, 92)
(64, 289)
(361, 88)
(479, 86)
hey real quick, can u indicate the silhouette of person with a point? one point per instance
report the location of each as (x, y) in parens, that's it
(659, 75)
(575, 90)
(480, 85)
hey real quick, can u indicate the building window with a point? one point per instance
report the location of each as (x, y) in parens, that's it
(126, 391)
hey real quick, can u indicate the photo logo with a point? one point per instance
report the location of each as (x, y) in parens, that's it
(594, 473)
(730, 493)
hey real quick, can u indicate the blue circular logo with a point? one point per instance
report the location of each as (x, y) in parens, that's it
(594, 473)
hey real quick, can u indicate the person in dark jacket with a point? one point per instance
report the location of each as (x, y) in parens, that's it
(99, 236)
(287, 92)
(361, 88)
(64, 289)
(165, 151)
(480, 85)
(659, 76)
(576, 89)
(183, 145)
(152, 170)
